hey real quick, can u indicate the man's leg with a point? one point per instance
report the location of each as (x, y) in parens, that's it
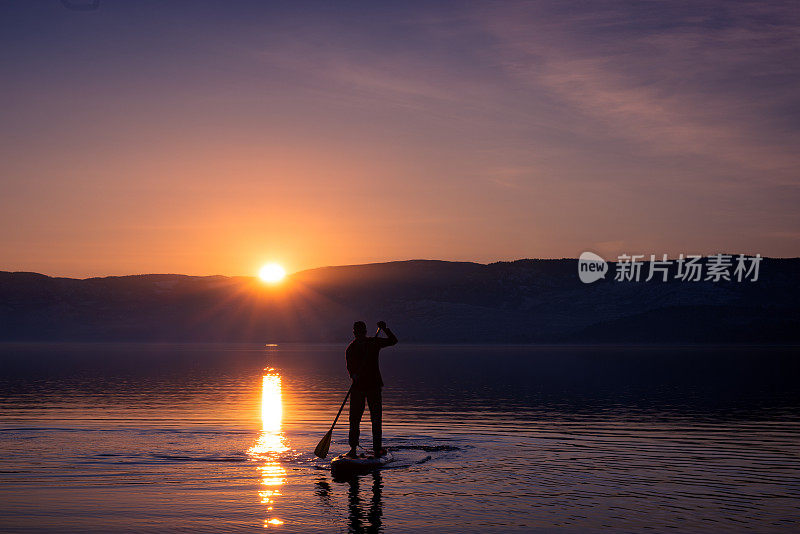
(376, 415)
(356, 411)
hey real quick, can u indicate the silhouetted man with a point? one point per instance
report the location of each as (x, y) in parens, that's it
(362, 364)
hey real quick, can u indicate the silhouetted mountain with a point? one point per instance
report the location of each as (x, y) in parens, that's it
(424, 301)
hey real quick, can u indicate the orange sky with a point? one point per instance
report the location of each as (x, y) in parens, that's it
(210, 141)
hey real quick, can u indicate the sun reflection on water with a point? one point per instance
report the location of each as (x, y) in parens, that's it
(270, 444)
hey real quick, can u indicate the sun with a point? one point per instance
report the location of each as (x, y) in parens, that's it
(272, 272)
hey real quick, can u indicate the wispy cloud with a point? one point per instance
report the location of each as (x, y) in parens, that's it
(690, 85)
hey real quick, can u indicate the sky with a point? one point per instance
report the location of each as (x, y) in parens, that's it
(212, 137)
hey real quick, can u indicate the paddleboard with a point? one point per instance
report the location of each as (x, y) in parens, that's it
(344, 465)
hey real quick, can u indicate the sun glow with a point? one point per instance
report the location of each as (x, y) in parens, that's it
(272, 273)
(270, 445)
(271, 406)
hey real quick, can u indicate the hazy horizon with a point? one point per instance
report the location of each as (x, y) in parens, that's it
(289, 273)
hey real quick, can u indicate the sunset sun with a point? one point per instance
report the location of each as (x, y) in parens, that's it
(272, 272)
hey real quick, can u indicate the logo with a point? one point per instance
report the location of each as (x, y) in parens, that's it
(684, 268)
(591, 267)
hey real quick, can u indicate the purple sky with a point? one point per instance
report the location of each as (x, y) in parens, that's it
(211, 137)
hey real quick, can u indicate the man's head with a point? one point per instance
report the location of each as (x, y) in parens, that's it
(360, 329)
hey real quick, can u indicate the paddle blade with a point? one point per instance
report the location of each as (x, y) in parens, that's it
(324, 445)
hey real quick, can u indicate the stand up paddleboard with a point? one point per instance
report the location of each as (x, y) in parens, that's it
(343, 466)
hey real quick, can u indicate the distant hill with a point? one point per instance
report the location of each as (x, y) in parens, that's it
(522, 301)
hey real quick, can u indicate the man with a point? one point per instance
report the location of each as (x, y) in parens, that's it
(362, 364)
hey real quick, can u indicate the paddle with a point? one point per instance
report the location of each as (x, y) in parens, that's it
(325, 443)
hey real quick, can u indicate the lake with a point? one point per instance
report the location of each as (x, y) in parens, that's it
(219, 438)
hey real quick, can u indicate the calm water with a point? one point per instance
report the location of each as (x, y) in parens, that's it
(206, 438)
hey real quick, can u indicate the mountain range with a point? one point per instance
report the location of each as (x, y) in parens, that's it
(424, 301)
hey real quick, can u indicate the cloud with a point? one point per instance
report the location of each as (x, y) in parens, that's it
(689, 86)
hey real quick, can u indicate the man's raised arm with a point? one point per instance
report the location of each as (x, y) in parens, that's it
(390, 338)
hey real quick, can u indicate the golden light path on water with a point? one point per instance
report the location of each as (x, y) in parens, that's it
(270, 445)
